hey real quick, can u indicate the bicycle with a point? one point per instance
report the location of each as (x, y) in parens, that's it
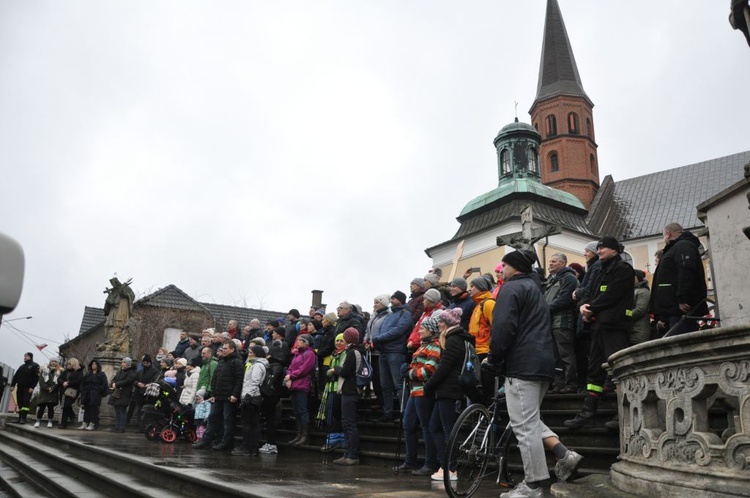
(474, 443)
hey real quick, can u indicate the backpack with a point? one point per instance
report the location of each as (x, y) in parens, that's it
(469, 377)
(270, 385)
(364, 370)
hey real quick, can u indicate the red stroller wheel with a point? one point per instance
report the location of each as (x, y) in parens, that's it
(151, 432)
(168, 435)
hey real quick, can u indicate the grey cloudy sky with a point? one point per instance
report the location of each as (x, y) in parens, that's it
(249, 152)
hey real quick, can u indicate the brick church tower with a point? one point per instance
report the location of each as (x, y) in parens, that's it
(563, 115)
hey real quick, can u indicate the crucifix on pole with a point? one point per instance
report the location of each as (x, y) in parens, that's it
(528, 236)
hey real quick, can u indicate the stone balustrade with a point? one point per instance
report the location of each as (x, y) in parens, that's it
(684, 406)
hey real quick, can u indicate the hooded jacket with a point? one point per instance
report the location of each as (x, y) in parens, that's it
(522, 330)
(190, 387)
(480, 324)
(301, 368)
(392, 335)
(443, 384)
(641, 327)
(679, 278)
(255, 372)
(228, 378)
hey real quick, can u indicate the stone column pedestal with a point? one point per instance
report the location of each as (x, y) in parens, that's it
(111, 362)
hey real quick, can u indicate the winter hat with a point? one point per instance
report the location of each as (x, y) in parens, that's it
(431, 278)
(610, 243)
(383, 299)
(146, 357)
(258, 351)
(499, 267)
(577, 267)
(431, 323)
(433, 295)
(418, 281)
(451, 316)
(400, 296)
(196, 361)
(518, 260)
(481, 284)
(181, 362)
(340, 337)
(258, 340)
(351, 335)
(459, 282)
(640, 275)
(320, 311)
(294, 313)
(128, 360)
(30, 355)
(307, 338)
(201, 393)
(331, 317)
(591, 247)
(280, 331)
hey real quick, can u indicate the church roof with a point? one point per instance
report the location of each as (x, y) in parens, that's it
(171, 297)
(558, 72)
(509, 186)
(640, 207)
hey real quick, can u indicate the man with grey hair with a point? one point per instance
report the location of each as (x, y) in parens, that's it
(348, 317)
(558, 293)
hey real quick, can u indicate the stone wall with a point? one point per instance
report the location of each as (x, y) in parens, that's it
(685, 415)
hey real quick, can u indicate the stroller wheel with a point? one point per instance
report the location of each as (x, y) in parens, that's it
(168, 435)
(191, 436)
(151, 432)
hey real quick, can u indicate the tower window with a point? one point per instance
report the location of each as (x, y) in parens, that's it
(589, 131)
(592, 160)
(505, 161)
(554, 164)
(573, 127)
(551, 125)
(532, 157)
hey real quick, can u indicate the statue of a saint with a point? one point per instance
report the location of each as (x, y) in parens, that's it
(118, 325)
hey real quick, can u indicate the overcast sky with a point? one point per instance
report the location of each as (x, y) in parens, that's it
(249, 152)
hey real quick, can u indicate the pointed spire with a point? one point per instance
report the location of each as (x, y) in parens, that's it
(558, 73)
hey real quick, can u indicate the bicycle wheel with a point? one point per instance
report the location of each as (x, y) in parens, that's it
(468, 452)
(502, 449)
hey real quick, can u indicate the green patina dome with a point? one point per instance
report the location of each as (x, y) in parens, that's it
(511, 186)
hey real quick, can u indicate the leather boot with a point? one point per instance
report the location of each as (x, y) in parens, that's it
(586, 417)
(303, 435)
(298, 435)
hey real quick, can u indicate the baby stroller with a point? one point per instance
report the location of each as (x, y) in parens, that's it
(163, 415)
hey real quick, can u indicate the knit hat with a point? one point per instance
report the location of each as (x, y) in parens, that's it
(294, 313)
(640, 275)
(481, 284)
(518, 260)
(400, 296)
(280, 331)
(591, 247)
(610, 243)
(307, 338)
(128, 360)
(181, 362)
(30, 355)
(258, 340)
(433, 295)
(258, 351)
(451, 316)
(340, 337)
(320, 311)
(383, 299)
(146, 357)
(418, 281)
(577, 267)
(459, 282)
(331, 317)
(201, 393)
(431, 278)
(431, 324)
(196, 361)
(351, 335)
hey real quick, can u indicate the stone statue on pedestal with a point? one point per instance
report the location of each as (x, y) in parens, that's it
(119, 325)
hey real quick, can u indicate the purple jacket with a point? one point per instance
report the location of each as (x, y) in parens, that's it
(301, 369)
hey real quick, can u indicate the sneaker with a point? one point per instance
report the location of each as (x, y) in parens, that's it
(424, 471)
(523, 491)
(83, 426)
(90, 427)
(49, 424)
(439, 475)
(269, 449)
(37, 424)
(581, 420)
(565, 467)
(613, 424)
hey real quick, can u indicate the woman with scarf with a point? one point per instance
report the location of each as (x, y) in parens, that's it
(70, 382)
(347, 389)
(419, 407)
(298, 380)
(93, 389)
(330, 405)
(49, 394)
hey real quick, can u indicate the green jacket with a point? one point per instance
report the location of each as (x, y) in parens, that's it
(208, 367)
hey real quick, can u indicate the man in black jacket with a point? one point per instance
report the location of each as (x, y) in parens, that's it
(226, 388)
(148, 374)
(608, 313)
(522, 340)
(559, 295)
(26, 378)
(679, 285)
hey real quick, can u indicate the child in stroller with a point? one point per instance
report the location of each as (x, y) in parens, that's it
(163, 415)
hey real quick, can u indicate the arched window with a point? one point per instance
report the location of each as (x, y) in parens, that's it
(592, 160)
(589, 131)
(532, 157)
(505, 161)
(554, 164)
(573, 127)
(551, 125)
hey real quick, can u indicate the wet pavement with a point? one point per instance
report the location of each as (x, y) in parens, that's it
(290, 474)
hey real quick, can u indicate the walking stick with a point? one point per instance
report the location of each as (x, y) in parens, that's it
(328, 414)
(400, 427)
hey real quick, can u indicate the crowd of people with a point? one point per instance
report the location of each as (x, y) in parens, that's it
(547, 333)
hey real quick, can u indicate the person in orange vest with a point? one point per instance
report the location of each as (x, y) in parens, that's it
(480, 324)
